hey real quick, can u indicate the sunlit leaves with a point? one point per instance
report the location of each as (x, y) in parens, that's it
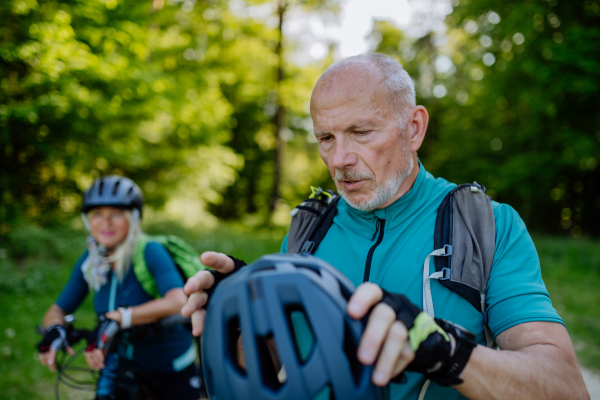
(518, 112)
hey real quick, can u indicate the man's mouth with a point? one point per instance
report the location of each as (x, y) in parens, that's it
(351, 179)
(351, 184)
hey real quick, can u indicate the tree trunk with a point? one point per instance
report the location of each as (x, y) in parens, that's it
(280, 114)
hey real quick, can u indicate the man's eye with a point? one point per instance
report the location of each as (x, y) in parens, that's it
(362, 132)
(326, 138)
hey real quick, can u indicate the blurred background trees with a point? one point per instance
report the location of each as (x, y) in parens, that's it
(181, 97)
(512, 88)
(196, 100)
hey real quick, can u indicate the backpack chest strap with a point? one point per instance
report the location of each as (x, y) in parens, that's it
(443, 274)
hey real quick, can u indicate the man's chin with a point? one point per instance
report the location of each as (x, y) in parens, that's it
(357, 201)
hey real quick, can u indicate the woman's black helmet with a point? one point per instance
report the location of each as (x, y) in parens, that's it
(113, 191)
(297, 341)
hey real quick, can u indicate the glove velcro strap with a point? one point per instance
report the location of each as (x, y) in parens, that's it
(464, 343)
(424, 326)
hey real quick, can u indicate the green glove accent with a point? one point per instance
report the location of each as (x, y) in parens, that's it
(424, 326)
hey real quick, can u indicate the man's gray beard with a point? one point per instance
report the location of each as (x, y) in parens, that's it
(382, 193)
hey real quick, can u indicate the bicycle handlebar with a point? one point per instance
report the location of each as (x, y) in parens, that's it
(174, 319)
(75, 335)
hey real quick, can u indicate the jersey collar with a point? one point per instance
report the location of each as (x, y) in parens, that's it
(399, 211)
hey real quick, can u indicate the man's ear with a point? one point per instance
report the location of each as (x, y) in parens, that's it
(418, 118)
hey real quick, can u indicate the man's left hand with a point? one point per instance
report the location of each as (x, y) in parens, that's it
(399, 335)
(385, 340)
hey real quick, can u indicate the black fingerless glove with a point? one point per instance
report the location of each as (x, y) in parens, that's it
(442, 349)
(104, 332)
(219, 276)
(55, 339)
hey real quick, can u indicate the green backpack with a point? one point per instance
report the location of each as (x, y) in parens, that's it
(186, 259)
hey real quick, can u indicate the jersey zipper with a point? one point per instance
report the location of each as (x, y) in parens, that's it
(379, 227)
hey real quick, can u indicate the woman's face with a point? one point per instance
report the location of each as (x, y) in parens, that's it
(109, 226)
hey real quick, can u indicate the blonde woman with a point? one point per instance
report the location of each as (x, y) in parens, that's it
(112, 210)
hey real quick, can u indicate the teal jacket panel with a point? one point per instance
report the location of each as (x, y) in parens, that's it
(516, 292)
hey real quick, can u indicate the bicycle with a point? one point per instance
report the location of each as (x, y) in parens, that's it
(131, 383)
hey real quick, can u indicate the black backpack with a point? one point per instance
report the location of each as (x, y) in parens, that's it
(464, 241)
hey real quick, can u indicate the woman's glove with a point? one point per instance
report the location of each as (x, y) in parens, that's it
(101, 336)
(442, 349)
(55, 339)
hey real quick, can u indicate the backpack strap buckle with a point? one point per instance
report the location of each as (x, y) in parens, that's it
(445, 274)
(447, 250)
(307, 247)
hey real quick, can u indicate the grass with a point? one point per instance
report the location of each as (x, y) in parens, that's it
(35, 263)
(571, 271)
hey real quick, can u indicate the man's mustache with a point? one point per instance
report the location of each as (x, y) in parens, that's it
(352, 175)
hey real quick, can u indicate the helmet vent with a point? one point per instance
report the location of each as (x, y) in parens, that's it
(350, 349)
(116, 188)
(300, 328)
(262, 269)
(101, 187)
(234, 345)
(345, 291)
(271, 369)
(324, 393)
(310, 268)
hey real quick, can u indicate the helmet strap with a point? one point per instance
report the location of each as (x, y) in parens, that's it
(86, 222)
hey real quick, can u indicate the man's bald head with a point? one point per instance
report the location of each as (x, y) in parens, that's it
(379, 70)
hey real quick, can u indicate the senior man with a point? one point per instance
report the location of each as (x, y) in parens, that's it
(369, 129)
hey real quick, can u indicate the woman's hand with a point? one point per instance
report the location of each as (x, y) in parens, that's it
(95, 358)
(54, 340)
(99, 340)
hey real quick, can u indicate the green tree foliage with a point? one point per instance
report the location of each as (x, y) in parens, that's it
(178, 96)
(98, 87)
(271, 126)
(512, 88)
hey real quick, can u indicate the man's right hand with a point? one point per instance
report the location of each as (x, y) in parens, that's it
(197, 285)
(54, 339)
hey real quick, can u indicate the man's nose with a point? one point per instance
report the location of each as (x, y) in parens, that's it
(344, 155)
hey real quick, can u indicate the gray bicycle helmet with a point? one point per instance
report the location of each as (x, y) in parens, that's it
(297, 340)
(114, 191)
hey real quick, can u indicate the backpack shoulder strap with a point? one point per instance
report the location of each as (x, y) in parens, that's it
(140, 268)
(464, 246)
(311, 220)
(321, 228)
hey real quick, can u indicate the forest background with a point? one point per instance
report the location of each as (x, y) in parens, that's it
(205, 105)
(202, 104)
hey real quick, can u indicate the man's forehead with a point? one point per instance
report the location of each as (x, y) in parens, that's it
(349, 80)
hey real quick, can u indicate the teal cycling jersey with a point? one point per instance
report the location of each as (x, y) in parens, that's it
(394, 242)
